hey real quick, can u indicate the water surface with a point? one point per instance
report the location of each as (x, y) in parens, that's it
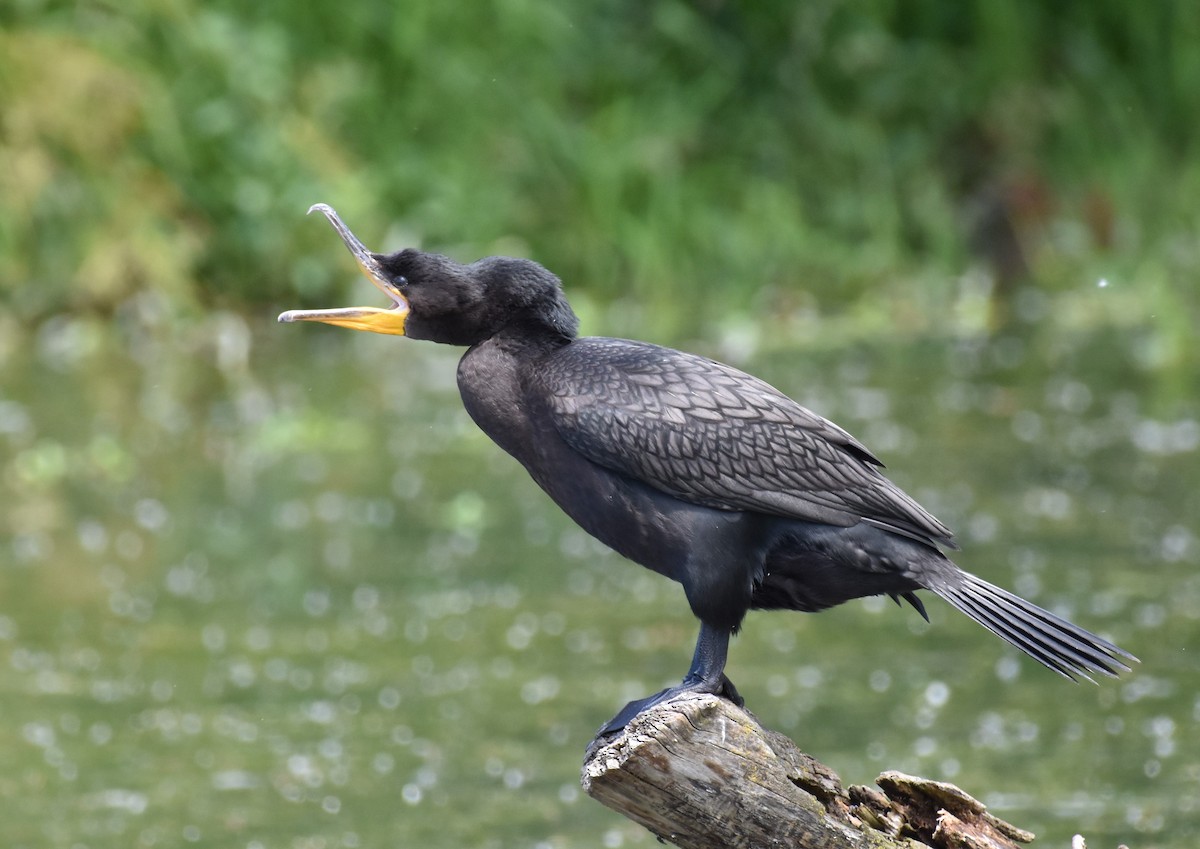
(272, 589)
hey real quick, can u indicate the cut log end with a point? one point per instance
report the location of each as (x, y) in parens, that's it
(701, 773)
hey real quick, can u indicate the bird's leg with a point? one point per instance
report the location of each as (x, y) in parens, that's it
(706, 675)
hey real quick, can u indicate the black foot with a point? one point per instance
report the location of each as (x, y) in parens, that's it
(616, 725)
(723, 688)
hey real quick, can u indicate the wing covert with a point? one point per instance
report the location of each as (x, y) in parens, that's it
(713, 435)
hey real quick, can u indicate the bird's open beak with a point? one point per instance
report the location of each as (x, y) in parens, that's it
(377, 320)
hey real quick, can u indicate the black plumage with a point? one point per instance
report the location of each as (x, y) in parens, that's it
(689, 467)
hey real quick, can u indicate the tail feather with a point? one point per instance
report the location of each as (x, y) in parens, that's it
(1047, 656)
(1050, 640)
(1077, 645)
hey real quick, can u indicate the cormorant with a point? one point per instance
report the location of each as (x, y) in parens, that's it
(691, 468)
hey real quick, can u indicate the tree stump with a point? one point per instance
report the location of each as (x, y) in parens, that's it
(701, 773)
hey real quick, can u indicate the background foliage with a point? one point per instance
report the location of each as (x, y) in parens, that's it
(692, 159)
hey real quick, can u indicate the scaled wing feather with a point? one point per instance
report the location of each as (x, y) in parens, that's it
(712, 435)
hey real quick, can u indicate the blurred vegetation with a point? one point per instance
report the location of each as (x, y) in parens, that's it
(893, 162)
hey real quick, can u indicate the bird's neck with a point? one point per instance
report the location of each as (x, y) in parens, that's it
(526, 339)
(491, 380)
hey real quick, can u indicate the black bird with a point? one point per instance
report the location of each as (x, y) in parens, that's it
(691, 468)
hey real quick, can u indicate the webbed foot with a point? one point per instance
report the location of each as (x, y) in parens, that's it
(723, 688)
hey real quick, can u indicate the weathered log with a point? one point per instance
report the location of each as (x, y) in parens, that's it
(701, 773)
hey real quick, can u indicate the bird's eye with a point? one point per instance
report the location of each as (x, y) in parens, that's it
(400, 280)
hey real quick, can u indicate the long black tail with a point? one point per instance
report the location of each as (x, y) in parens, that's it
(1051, 640)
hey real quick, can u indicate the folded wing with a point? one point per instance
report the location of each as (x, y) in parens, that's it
(712, 435)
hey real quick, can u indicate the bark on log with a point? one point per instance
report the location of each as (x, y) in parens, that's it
(701, 773)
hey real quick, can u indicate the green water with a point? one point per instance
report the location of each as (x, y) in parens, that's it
(267, 587)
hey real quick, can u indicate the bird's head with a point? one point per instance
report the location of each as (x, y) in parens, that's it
(435, 298)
